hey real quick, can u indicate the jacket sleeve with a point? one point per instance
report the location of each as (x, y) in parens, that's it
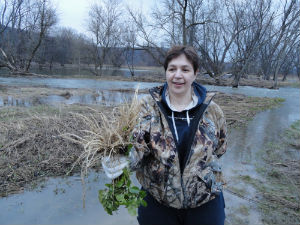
(141, 136)
(221, 130)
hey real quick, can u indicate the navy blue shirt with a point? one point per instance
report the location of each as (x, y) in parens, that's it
(183, 128)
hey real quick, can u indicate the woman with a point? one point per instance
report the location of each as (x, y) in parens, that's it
(180, 136)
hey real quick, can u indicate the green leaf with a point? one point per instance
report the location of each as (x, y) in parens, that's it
(143, 194)
(121, 192)
(120, 183)
(120, 197)
(132, 210)
(129, 147)
(134, 190)
(108, 185)
(143, 203)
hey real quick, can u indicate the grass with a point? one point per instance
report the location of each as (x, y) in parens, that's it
(240, 109)
(238, 190)
(260, 104)
(32, 146)
(244, 210)
(280, 191)
(107, 135)
(293, 84)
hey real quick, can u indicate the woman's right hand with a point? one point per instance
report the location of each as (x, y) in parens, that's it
(113, 166)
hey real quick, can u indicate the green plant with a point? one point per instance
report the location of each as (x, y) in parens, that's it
(122, 192)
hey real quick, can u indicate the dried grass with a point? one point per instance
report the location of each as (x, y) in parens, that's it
(240, 109)
(32, 149)
(107, 135)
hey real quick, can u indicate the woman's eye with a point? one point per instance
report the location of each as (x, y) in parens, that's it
(171, 69)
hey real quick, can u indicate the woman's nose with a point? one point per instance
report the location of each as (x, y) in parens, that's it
(178, 73)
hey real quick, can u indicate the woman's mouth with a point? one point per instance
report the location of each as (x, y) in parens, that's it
(178, 84)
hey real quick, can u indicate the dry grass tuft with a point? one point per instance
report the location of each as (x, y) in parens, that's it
(108, 134)
(31, 149)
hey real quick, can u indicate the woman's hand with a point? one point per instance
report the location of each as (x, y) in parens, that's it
(113, 166)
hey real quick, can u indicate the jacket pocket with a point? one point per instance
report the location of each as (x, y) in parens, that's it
(210, 177)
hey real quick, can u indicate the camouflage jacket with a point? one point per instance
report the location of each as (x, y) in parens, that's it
(155, 157)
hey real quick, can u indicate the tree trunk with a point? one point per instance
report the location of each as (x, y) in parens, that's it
(275, 77)
(284, 76)
(236, 81)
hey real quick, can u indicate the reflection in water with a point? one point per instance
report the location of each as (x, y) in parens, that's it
(75, 83)
(103, 97)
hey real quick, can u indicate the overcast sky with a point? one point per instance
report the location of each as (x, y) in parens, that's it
(74, 13)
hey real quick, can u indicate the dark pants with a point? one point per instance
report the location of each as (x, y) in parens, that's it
(210, 213)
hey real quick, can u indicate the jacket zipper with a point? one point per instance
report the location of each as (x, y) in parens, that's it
(202, 111)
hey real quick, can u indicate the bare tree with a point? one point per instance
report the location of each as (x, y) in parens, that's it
(130, 39)
(45, 19)
(178, 19)
(282, 39)
(147, 36)
(214, 39)
(28, 22)
(105, 27)
(291, 61)
(173, 22)
(8, 11)
(297, 60)
(258, 18)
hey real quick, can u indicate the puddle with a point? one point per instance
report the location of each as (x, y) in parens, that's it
(60, 202)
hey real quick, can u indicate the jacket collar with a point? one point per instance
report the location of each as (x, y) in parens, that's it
(159, 93)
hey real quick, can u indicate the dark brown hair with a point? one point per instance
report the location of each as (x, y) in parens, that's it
(178, 50)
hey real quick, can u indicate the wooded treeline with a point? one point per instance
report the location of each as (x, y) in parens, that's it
(255, 37)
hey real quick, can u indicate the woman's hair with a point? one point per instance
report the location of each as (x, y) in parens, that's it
(178, 50)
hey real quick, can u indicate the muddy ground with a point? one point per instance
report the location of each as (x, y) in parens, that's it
(279, 182)
(31, 145)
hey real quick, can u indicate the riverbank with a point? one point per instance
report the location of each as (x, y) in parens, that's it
(32, 148)
(278, 183)
(157, 75)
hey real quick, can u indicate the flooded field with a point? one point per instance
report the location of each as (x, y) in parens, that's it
(101, 97)
(59, 200)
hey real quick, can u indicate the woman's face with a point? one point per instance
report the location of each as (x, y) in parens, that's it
(180, 75)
